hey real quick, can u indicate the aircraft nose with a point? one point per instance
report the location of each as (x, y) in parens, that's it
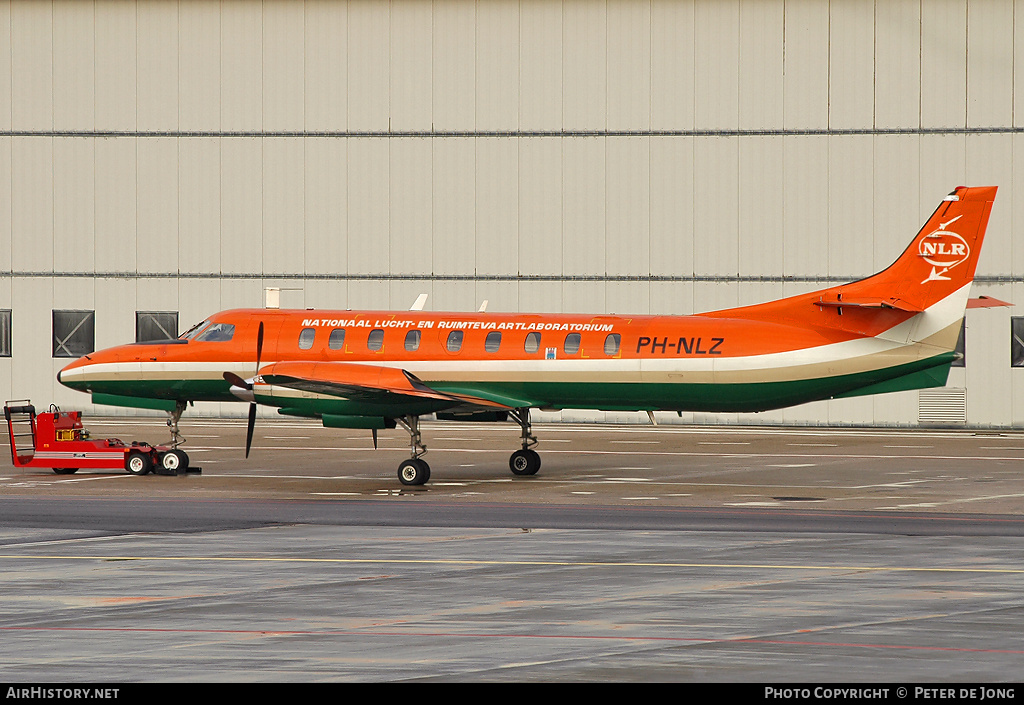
(70, 375)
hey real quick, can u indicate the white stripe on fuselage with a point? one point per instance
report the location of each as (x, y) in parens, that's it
(888, 349)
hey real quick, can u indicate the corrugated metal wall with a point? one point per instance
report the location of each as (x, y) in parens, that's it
(612, 156)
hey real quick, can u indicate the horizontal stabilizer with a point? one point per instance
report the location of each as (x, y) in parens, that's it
(986, 302)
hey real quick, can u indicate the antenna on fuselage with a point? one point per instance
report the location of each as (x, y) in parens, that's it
(419, 303)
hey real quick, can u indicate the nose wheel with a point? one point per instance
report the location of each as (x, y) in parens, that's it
(174, 460)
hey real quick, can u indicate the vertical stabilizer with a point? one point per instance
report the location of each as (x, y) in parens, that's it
(940, 261)
(921, 297)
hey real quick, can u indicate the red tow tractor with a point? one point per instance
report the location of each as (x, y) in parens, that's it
(55, 439)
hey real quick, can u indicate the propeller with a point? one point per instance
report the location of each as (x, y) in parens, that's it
(237, 381)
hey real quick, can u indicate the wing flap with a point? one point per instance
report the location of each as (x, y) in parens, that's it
(367, 383)
(346, 379)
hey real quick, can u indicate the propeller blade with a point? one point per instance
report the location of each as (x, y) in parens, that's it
(237, 381)
(259, 346)
(249, 430)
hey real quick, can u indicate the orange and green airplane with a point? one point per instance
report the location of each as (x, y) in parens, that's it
(895, 330)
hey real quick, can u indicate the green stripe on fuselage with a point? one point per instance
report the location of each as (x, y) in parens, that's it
(714, 397)
(168, 390)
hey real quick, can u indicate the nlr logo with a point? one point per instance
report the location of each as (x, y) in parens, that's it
(943, 250)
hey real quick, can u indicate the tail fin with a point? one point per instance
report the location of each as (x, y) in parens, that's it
(932, 277)
(940, 261)
(925, 290)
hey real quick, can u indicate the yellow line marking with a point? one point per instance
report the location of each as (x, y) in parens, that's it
(472, 562)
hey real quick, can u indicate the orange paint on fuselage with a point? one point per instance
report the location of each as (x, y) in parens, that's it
(640, 337)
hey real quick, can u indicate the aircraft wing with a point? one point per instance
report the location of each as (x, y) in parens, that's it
(372, 384)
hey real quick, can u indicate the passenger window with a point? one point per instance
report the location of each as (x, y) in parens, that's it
(493, 342)
(306, 338)
(532, 343)
(412, 341)
(376, 339)
(611, 344)
(455, 341)
(572, 344)
(337, 339)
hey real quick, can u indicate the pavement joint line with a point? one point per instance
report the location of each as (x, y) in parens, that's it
(471, 562)
(706, 640)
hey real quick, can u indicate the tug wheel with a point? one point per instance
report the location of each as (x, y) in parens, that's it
(138, 463)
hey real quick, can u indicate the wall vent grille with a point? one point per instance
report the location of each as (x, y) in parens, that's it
(946, 406)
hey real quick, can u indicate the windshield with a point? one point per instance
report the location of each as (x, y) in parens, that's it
(194, 330)
(217, 333)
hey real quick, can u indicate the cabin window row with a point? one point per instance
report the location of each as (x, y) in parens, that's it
(453, 343)
(73, 335)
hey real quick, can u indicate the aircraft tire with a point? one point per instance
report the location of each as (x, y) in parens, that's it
(138, 463)
(413, 472)
(174, 460)
(65, 471)
(524, 462)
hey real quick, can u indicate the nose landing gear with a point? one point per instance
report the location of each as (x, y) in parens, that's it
(173, 461)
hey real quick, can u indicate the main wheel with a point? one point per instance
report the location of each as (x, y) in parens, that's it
(413, 472)
(65, 471)
(174, 460)
(524, 462)
(138, 463)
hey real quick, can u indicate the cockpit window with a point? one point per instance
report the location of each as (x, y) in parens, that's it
(217, 333)
(194, 330)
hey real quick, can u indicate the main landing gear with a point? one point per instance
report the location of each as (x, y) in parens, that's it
(527, 460)
(415, 470)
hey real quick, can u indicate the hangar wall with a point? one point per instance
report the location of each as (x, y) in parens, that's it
(619, 156)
